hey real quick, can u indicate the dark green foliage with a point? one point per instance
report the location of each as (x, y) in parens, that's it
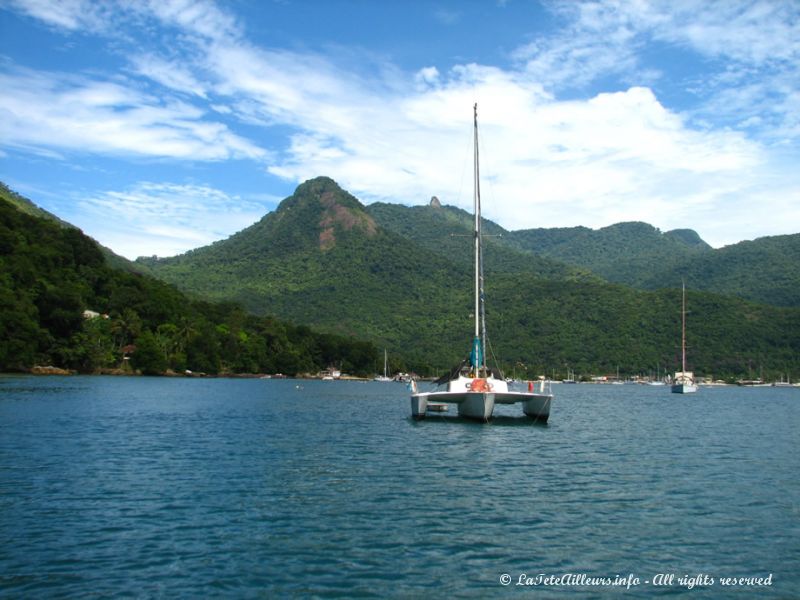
(765, 270)
(149, 357)
(51, 273)
(402, 278)
(625, 253)
(448, 230)
(20, 333)
(597, 328)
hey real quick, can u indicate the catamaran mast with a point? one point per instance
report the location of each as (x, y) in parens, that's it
(479, 342)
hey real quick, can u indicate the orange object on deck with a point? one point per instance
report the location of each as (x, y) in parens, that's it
(480, 385)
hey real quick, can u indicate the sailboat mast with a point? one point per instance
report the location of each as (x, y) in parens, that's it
(476, 213)
(480, 315)
(683, 326)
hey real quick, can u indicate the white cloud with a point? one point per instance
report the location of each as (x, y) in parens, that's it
(170, 74)
(428, 76)
(619, 152)
(66, 14)
(199, 17)
(610, 158)
(748, 32)
(598, 39)
(753, 46)
(163, 218)
(61, 112)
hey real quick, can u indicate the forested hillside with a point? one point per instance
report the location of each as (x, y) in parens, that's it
(447, 231)
(636, 254)
(51, 274)
(764, 270)
(623, 253)
(324, 259)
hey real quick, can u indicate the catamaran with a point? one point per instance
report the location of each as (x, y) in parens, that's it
(472, 386)
(683, 382)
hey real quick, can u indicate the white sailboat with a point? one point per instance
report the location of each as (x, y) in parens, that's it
(385, 376)
(658, 380)
(683, 382)
(472, 386)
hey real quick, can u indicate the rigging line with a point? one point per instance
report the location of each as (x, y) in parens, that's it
(487, 181)
(464, 164)
(494, 358)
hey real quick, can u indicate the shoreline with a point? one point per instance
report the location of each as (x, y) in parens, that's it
(51, 371)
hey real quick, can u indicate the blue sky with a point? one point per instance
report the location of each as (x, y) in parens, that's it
(160, 126)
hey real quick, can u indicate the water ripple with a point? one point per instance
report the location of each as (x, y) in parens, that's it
(195, 488)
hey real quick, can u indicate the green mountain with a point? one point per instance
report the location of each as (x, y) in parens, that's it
(763, 270)
(321, 259)
(626, 253)
(448, 231)
(402, 278)
(636, 254)
(51, 275)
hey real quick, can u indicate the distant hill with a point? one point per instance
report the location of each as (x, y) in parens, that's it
(447, 230)
(636, 254)
(402, 278)
(764, 270)
(627, 253)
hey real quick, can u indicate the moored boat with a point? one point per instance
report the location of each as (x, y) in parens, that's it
(385, 377)
(683, 381)
(472, 386)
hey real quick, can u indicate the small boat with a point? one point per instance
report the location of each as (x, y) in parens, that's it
(657, 380)
(683, 382)
(384, 377)
(471, 385)
(753, 383)
(782, 383)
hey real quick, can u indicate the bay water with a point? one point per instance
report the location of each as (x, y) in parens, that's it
(187, 488)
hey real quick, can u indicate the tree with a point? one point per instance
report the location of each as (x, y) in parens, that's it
(149, 357)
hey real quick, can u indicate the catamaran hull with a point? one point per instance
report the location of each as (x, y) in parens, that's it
(477, 405)
(538, 407)
(480, 405)
(472, 405)
(419, 405)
